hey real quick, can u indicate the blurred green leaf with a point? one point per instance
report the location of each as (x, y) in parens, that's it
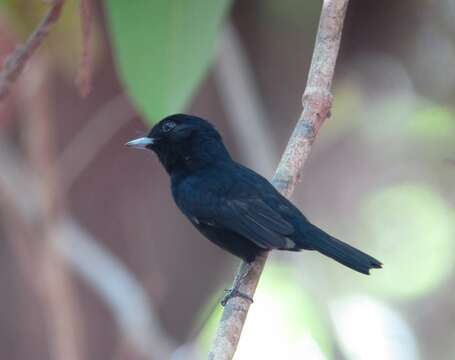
(163, 48)
(413, 229)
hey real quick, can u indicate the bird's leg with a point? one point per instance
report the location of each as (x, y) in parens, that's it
(234, 291)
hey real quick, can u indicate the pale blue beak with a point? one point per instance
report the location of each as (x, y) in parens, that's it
(140, 143)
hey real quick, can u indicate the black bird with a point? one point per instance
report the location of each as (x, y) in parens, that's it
(233, 206)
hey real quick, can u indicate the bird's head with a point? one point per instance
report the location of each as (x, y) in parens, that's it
(183, 141)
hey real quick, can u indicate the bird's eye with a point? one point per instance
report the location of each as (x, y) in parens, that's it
(168, 126)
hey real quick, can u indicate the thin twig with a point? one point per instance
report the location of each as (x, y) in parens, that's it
(16, 62)
(316, 101)
(84, 80)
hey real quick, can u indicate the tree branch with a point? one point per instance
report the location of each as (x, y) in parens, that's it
(316, 101)
(16, 62)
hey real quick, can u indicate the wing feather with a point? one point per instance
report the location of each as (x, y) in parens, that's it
(256, 221)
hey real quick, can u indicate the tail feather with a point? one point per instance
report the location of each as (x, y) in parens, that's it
(340, 251)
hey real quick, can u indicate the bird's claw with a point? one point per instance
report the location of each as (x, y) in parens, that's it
(232, 293)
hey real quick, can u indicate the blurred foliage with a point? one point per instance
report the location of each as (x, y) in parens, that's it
(163, 48)
(285, 322)
(413, 228)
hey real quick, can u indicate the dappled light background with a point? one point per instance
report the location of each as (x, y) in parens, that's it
(96, 262)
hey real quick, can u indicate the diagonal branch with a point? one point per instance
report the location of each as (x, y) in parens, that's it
(16, 62)
(316, 101)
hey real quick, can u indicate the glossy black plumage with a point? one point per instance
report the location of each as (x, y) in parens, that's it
(231, 205)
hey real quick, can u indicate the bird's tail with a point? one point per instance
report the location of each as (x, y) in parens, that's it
(340, 251)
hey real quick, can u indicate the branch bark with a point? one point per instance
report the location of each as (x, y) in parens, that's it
(16, 62)
(316, 102)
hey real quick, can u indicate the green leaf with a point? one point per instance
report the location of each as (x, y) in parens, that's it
(163, 49)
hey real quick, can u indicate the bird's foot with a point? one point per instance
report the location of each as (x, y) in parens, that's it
(232, 293)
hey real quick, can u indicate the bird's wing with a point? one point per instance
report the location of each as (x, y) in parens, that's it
(255, 220)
